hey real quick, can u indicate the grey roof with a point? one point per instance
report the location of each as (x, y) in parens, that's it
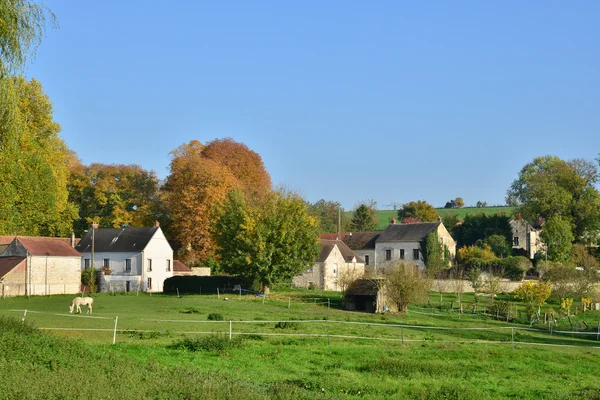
(407, 232)
(108, 240)
(361, 240)
(328, 245)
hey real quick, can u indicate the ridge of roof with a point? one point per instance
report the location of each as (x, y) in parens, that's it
(407, 232)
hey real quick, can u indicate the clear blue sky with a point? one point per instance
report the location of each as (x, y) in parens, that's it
(344, 100)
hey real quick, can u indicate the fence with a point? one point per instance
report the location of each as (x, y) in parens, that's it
(344, 330)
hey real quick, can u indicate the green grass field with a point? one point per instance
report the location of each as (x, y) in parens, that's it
(164, 349)
(384, 216)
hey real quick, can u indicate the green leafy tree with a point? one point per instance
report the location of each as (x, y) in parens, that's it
(33, 167)
(419, 209)
(558, 237)
(499, 245)
(364, 218)
(328, 214)
(551, 187)
(451, 220)
(113, 195)
(476, 228)
(266, 239)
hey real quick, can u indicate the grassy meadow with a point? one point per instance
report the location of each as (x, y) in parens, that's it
(167, 347)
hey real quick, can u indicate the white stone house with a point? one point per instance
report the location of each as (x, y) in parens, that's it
(526, 237)
(363, 245)
(129, 259)
(40, 266)
(335, 267)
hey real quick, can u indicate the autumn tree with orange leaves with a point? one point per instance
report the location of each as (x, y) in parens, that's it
(200, 180)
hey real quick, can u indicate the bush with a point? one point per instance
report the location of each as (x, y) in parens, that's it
(515, 268)
(88, 278)
(215, 317)
(217, 342)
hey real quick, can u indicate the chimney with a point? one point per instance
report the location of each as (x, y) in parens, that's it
(94, 225)
(156, 224)
(439, 219)
(393, 221)
(73, 239)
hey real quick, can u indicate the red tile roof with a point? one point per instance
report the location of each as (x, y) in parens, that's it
(45, 246)
(178, 266)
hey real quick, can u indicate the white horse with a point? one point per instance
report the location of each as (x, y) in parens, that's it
(81, 301)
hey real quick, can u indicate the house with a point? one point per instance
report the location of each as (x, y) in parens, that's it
(525, 237)
(368, 295)
(403, 242)
(335, 267)
(363, 244)
(130, 259)
(40, 266)
(397, 242)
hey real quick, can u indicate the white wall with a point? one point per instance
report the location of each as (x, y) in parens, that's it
(395, 247)
(159, 251)
(54, 275)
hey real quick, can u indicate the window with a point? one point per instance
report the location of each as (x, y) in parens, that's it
(516, 241)
(388, 255)
(335, 269)
(402, 254)
(149, 283)
(128, 265)
(168, 265)
(366, 259)
(149, 269)
(106, 263)
(86, 263)
(415, 254)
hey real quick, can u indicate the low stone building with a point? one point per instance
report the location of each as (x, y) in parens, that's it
(52, 266)
(368, 295)
(335, 268)
(13, 276)
(180, 269)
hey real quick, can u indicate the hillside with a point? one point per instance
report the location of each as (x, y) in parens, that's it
(385, 216)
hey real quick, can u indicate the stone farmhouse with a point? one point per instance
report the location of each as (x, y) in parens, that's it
(129, 259)
(335, 267)
(39, 266)
(397, 242)
(526, 237)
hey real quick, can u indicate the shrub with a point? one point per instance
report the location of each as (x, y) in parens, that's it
(515, 268)
(88, 278)
(191, 310)
(215, 317)
(216, 342)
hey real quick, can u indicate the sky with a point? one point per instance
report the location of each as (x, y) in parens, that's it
(391, 101)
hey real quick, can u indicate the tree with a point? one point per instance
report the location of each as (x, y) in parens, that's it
(550, 187)
(419, 209)
(329, 213)
(193, 193)
(245, 165)
(200, 180)
(266, 239)
(364, 218)
(534, 295)
(477, 227)
(459, 202)
(558, 237)
(33, 167)
(499, 245)
(405, 284)
(481, 204)
(113, 195)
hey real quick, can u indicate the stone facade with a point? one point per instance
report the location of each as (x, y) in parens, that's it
(333, 271)
(526, 238)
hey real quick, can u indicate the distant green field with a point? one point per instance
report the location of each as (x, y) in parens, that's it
(384, 216)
